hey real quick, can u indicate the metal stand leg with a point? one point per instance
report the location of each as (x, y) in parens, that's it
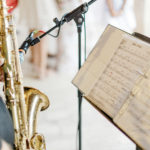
(79, 21)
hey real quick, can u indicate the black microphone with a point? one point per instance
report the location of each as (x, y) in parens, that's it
(27, 43)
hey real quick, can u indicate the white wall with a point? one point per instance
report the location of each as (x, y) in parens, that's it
(147, 17)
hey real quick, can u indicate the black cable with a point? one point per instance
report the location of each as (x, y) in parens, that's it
(55, 36)
(85, 49)
(61, 21)
(77, 134)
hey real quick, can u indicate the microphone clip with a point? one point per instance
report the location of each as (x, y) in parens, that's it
(82, 9)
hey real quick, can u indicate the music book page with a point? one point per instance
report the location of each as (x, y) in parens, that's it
(112, 76)
(134, 116)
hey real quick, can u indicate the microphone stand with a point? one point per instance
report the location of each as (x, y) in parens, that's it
(77, 16)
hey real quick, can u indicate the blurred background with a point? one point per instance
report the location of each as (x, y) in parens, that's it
(51, 65)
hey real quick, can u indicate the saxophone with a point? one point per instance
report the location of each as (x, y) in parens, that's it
(23, 103)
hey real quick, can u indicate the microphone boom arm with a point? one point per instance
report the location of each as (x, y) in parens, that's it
(82, 9)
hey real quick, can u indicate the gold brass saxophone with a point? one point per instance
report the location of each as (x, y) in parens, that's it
(23, 103)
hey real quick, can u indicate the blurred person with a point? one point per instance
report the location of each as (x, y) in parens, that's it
(12, 4)
(119, 13)
(39, 16)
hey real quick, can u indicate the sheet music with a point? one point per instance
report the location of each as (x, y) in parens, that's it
(134, 116)
(115, 84)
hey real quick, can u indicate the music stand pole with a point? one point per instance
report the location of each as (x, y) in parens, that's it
(79, 22)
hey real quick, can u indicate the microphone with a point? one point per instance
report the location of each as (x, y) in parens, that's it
(25, 45)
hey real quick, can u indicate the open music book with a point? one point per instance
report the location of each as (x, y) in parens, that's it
(116, 79)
